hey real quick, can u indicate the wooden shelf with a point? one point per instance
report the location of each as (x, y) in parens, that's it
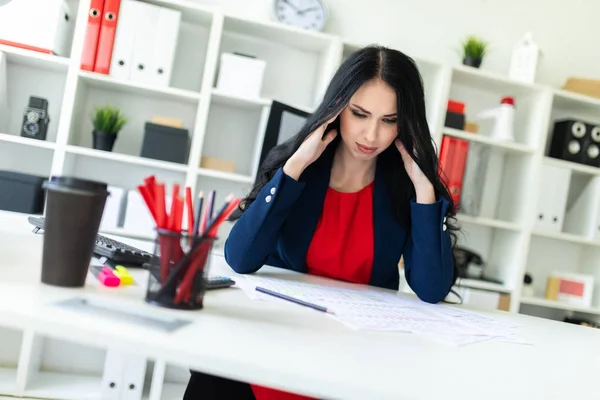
(4, 137)
(541, 302)
(35, 59)
(128, 159)
(107, 82)
(477, 138)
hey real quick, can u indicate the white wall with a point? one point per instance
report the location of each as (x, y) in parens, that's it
(567, 31)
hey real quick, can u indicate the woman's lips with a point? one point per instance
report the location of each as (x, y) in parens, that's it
(366, 149)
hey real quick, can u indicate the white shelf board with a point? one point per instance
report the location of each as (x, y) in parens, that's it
(8, 381)
(483, 285)
(36, 59)
(211, 173)
(62, 386)
(566, 99)
(5, 137)
(221, 97)
(493, 223)
(566, 237)
(190, 11)
(107, 82)
(478, 138)
(573, 166)
(537, 301)
(279, 33)
(490, 81)
(126, 158)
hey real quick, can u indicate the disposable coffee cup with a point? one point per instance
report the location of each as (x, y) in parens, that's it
(74, 210)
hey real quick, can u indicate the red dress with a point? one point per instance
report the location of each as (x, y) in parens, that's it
(341, 248)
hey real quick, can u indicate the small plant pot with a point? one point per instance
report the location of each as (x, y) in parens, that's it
(472, 61)
(103, 141)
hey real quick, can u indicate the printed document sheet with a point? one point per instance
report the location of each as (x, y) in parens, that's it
(368, 309)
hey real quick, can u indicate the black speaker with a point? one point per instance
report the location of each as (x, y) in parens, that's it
(577, 141)
(36, 119)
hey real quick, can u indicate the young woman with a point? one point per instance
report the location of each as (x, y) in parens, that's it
(352, 192)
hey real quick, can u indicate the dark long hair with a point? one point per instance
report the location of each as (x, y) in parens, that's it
(401, 73)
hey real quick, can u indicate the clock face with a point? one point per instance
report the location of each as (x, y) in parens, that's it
(306, 14)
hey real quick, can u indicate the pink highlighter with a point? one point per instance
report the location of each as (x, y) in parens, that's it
(106, 276)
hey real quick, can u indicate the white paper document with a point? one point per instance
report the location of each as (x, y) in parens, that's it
(368, 309)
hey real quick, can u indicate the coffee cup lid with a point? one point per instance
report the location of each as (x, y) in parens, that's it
(69, 182)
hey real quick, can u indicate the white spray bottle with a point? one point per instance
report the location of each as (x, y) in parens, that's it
(504, 116)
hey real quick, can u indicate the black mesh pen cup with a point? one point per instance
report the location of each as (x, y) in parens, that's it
(74, 209)
(177, 276)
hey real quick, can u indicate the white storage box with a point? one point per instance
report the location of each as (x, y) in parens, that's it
(45, 26)
(241, 75)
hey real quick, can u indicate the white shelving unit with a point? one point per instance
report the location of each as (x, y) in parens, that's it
(300, 65)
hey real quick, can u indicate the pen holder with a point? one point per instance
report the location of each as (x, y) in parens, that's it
(177, 276)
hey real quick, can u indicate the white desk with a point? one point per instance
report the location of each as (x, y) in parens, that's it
(299, 349)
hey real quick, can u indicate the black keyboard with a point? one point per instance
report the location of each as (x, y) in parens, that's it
(115, 251)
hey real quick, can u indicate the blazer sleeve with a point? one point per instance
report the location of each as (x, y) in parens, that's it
(428, 258)
(254, 234)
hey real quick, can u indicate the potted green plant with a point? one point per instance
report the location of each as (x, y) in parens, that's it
(474, 49)
(107, 122)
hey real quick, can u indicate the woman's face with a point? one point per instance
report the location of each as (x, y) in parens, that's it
(368, 122)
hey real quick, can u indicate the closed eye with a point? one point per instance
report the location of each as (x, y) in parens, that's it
(390, 121)
(357, 114)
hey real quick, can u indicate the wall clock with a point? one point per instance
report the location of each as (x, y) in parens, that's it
(305, 14)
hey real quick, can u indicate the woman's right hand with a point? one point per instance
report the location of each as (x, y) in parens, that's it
(310, 150)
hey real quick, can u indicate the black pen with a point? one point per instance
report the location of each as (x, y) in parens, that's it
(294, 300)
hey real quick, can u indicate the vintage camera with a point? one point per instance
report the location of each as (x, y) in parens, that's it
(36, 119)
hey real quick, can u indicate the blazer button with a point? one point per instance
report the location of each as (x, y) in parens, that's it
(272, 190)
(444, 219)
(268, 199)
(444, 227)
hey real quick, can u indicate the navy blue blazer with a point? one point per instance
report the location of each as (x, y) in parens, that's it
(276, 229)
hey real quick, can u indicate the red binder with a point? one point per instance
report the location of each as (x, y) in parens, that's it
(92, 33)
(459, 162)
(453, 160)
(107, 36)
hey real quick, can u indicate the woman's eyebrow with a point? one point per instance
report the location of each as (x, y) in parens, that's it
(368, 112)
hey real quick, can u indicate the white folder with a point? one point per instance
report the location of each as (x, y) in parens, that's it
(138, 219)
(144, 42)
(3, 95)
(115, 204)
(133, 377)
(552, 198)
(113, 375)
(583, 215)
(122, 57)
(165, 44)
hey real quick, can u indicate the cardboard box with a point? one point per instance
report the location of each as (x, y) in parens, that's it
(218, 164)
(587, 87)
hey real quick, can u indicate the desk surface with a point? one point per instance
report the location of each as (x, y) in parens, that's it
(299, 349)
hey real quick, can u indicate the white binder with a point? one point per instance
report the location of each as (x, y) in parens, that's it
(165, 44)
(113, 375)
(115, 205)
(552, 198)
(122, 57)
(138, 219)
(583, 215)
(133, 377)
(3, 95)
(144, 42)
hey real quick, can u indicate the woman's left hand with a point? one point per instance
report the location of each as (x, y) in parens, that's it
(423, 186)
